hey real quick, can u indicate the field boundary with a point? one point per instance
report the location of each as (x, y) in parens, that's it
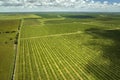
(17, 50)
(54, 35)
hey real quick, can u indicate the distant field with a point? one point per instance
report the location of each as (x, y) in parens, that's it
(65, 46)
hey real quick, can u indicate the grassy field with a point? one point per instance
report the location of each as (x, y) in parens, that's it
(8, 32)
(69, 47)
(66, 46)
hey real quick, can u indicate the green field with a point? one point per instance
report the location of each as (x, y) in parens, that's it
(65, 46)
(8, 34)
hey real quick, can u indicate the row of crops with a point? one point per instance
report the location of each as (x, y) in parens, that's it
(90, 55)
(60, 59)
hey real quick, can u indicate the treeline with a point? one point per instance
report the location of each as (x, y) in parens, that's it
(7, 32)
(17, 35)
(13, 39)
(16, 39)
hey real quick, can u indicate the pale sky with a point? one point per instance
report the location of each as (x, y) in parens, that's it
(60, 5)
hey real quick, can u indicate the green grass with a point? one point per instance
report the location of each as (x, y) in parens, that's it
(31, 22)
(10, 16)
(60, 46)
(8, 31)
(69, 49)
(9, 25)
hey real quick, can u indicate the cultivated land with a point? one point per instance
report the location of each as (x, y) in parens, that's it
(8, 35)
(66, 46)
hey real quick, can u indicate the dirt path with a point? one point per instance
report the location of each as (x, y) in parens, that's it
(16, 51)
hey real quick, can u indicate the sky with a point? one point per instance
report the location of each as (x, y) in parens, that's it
(59, 5)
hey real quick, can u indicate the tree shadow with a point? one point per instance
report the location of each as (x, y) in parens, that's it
(111, 52)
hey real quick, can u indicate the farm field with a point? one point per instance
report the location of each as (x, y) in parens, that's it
(67, 46)
(8, 34)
